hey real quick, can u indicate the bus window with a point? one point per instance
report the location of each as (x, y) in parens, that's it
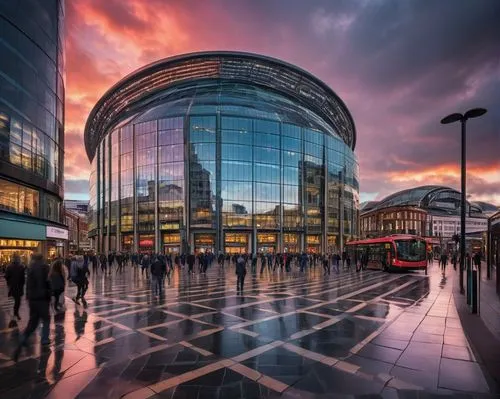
(410, 250)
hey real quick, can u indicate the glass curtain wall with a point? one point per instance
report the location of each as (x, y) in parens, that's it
(248, 183)
(145, 186)
(202, 134)
(127, 187)
(114, 189)
(171, 190)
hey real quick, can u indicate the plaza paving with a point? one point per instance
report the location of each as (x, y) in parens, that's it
(288, 335)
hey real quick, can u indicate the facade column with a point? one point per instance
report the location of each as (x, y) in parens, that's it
(341, 209)
(134, 173)
(109, 188)
(218, 185)
(98, 238)
(187, 244)
(157, 246)
(119, 195)
(325, 198)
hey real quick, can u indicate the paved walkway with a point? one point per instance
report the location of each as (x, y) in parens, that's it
(483, 330)
(291, 336)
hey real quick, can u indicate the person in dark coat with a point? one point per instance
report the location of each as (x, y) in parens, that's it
(241, 272)
(38, 295)
(15, 276)
(57, 282)
(190, 261)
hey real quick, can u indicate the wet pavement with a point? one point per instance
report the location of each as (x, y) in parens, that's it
(368, 334)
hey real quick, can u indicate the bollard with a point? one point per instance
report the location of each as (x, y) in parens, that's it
(474, 291)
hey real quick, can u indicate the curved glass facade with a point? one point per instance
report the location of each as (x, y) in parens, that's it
(31, 102)
(223, 166)
(31, 126)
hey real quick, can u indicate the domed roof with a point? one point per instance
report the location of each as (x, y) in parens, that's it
(142, 87)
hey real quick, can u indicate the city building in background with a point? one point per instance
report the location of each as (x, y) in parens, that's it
(221, 151)
(78, 231)
(31, 128)
(77, 206)
(427, 211)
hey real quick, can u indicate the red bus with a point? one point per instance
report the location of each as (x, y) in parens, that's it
(395, 252)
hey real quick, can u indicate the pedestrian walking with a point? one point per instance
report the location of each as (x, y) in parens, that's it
(454, 259)
(477, 260)
(190, 261)
(443, 261)
(38, 295)
(57, 282)
(145, 265)
(326, 265)
(111, 258)
(15, 276)
(79, 273)
(156, 276)
(241, 272)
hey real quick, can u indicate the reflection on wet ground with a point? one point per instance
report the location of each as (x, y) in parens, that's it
(299, 335)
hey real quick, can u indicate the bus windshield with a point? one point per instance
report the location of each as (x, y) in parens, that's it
(411, 250)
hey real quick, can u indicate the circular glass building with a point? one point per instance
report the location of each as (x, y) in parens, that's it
(221, 151)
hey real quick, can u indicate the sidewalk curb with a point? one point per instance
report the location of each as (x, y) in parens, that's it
(484, 344)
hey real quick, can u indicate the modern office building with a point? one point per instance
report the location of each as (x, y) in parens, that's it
(431, 211)
(221, 151)
(31, 127)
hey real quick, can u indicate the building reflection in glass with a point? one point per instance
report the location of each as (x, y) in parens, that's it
(218, 165)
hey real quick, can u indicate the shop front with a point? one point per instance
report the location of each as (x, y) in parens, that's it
(56, 242)
(313, 243)
(332, 246)
(291, 243)
(146, 243)
(28, 236)
(171, 243)
(204, 242)
(127, 242)
(236, 243)
(24, 248)
(267, 243)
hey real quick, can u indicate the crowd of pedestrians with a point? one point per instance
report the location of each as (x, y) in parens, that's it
(45, 282)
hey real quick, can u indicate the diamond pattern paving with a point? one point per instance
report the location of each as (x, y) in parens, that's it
(287, 335)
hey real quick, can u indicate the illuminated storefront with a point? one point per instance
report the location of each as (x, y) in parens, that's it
(226, 154)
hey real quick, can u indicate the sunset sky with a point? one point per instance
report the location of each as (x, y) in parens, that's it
(400, 66)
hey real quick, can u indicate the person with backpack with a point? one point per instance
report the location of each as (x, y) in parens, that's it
(57, 282)
(15, 276)
(241, 272)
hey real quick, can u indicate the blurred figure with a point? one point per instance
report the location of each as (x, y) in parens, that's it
(477, 260)
(443, 261)
(57, 282)
(241, 272)
(145, 264)
(15, 276)
(79, 273)
(190, 261)
(38, 295)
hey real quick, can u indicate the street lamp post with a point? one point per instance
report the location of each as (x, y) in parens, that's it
(472, 113)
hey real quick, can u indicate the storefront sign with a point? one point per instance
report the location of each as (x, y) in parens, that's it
(56, 232)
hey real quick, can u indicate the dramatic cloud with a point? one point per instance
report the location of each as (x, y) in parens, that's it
(400, 66)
